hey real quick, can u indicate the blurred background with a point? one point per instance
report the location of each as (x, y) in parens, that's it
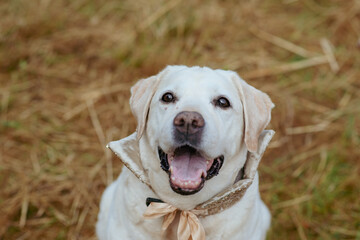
(66, 68)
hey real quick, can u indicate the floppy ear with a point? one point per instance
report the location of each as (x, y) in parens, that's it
(257, 111)
(141, 95)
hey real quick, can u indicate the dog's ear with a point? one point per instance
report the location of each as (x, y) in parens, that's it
(141, 95)
(257, 111)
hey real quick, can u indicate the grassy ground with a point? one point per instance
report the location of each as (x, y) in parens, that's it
(65, 72)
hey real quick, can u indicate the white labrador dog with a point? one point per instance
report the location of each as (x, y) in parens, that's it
(196, 127)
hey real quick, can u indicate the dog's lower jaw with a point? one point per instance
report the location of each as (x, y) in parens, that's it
(186, 192)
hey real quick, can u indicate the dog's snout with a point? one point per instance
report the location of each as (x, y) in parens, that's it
(189, 122)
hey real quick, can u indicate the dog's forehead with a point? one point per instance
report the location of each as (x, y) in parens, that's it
(197, 79)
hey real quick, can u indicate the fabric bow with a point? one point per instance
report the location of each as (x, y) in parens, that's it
(189, 227)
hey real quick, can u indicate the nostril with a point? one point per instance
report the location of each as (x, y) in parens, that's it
(179, 122)
(182, 122)
(198, 122)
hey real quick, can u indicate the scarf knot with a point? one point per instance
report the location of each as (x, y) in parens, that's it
(189, 227)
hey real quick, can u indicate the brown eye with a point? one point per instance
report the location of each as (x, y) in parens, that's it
(222, 102)
(168, 98)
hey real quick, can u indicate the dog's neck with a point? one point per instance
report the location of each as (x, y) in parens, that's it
(127, 149)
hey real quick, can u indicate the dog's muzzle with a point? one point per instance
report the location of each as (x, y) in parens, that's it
(187, 167)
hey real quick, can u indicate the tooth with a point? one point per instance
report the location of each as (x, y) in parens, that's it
(173, 178)
(207, 161)
(186, 183)
(189, 182)
(171, 169)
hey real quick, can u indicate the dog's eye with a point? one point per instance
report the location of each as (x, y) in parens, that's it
(168, 98)
(222, 102)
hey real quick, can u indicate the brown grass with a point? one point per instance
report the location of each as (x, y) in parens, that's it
(65, 72)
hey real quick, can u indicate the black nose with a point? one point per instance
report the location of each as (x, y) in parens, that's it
(189, 122)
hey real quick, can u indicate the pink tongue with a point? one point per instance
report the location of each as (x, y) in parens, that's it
(188, 165)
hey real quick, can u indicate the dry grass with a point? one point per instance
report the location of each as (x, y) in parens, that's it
(65, 72)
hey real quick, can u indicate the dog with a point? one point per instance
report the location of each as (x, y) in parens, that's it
(196, 128)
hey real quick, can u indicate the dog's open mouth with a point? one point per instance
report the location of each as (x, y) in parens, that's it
(188, 169)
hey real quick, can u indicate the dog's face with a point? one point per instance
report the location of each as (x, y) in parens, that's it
(196, 123)
(191, 124)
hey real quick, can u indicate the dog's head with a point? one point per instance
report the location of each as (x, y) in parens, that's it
(195, 126)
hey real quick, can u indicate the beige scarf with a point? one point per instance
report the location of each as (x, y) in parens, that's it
(190, 228)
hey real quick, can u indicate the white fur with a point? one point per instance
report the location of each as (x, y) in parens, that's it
(123, 202)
